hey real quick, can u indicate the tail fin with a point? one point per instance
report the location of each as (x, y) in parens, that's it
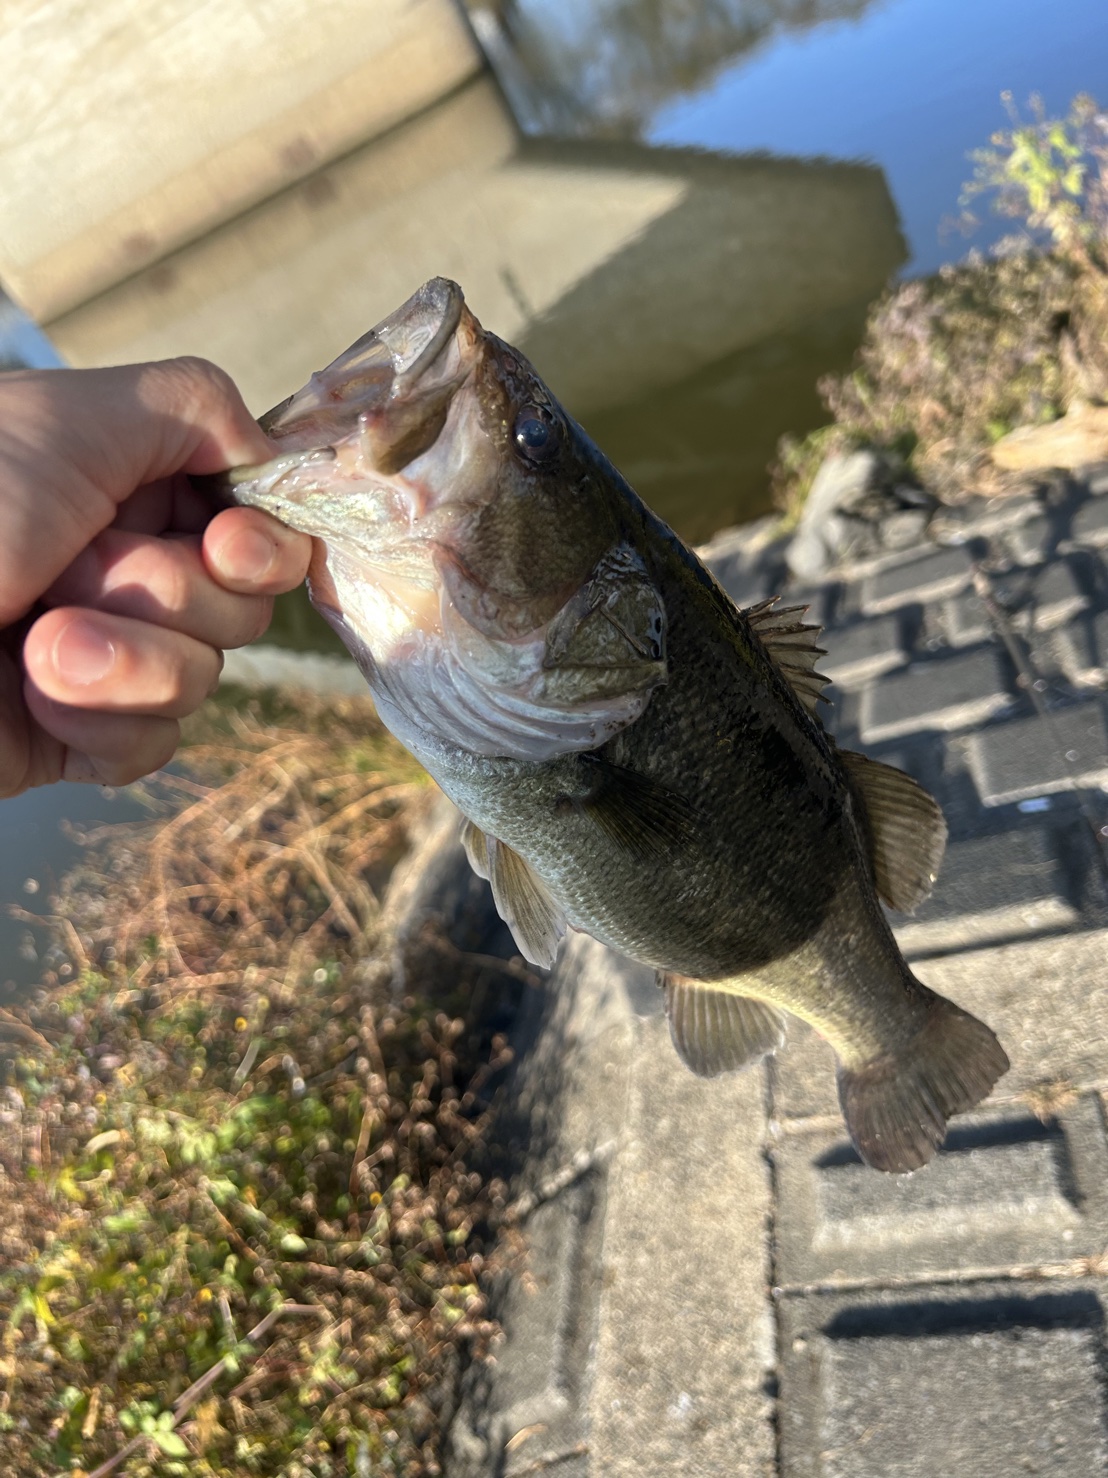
(896, 1107)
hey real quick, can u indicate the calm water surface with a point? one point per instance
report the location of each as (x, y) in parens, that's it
(777, 162)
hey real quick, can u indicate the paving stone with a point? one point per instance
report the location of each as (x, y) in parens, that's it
(980, 517)
(964, 620)
(1096, 479)
(748, 561)
(1090, 523)
(1008, 885)
(1030, 542)
(947, 693)
(862, 651)
(1006, 1188)
(1040, 755)
(1081, 648)
(930, 576)
(982, 1380)
(817, 598)
(1057, 595)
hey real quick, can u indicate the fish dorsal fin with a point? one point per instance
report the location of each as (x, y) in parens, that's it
(792, 645)
(522, 899)
(906, 830)
(641, 815)
(716, 1031)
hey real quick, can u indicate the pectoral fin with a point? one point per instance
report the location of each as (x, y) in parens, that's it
(640, 815)
(522, 899)
(716, 1031)
(907, 830)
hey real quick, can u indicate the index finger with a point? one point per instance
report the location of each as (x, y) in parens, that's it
(75, 444)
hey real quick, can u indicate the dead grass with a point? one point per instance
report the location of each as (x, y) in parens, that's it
(241, 1230)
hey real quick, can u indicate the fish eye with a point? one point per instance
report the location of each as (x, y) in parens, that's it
(536, 434)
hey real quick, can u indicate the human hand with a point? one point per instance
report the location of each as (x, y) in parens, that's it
(118, 586)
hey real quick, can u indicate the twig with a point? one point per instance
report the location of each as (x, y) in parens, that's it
(188, 1398)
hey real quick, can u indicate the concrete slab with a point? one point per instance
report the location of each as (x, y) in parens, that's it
(637, 1329)
(982, 1379)
(1007, 1189)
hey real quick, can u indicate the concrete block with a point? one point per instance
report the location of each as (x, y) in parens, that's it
(964, 620)
(930, 576)
(858, 653)
(978, 518)
(1090, 523)
(1057, 595)
(684, 1342)
(1004, 885)
(946, 693)
(1081, 650)
(637, 1331)
(1040, 755)
(1030, 542)
(981, 1379)
(1006, 1188)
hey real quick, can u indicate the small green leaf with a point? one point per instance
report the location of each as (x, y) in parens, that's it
(171, 1444)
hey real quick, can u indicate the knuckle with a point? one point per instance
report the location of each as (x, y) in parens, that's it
(190, 385)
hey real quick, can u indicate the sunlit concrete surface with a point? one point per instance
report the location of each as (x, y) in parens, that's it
(128, 128)
(655, 262)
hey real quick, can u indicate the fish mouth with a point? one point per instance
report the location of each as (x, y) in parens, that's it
(345, 443)
(386, 368)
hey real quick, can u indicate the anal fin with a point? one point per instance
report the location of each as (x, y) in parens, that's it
(716, 1031)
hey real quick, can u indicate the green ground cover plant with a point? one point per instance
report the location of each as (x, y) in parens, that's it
(242, 1231)
(952, 362)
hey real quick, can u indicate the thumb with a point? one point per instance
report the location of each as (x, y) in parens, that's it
(75, 443)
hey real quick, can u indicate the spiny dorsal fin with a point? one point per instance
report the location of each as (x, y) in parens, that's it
(638, 813)
(907, 831)
(716, 1031)
(792, 645)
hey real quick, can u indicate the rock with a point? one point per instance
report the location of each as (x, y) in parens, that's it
(1077, 440)
(842, 484)
(904, 528)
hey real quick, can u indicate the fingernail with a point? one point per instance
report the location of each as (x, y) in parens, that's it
(83, 654)
(249, 556)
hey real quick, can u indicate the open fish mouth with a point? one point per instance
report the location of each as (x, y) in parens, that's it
(374, 410)
(384, 365)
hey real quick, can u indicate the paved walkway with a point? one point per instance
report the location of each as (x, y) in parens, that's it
(706, 1279)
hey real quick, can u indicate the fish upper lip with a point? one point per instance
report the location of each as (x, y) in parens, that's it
(440, 297)
(387, 362)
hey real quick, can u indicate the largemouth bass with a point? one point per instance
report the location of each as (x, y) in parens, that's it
(635, 757)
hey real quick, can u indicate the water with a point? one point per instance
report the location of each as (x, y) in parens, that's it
(731, 185)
